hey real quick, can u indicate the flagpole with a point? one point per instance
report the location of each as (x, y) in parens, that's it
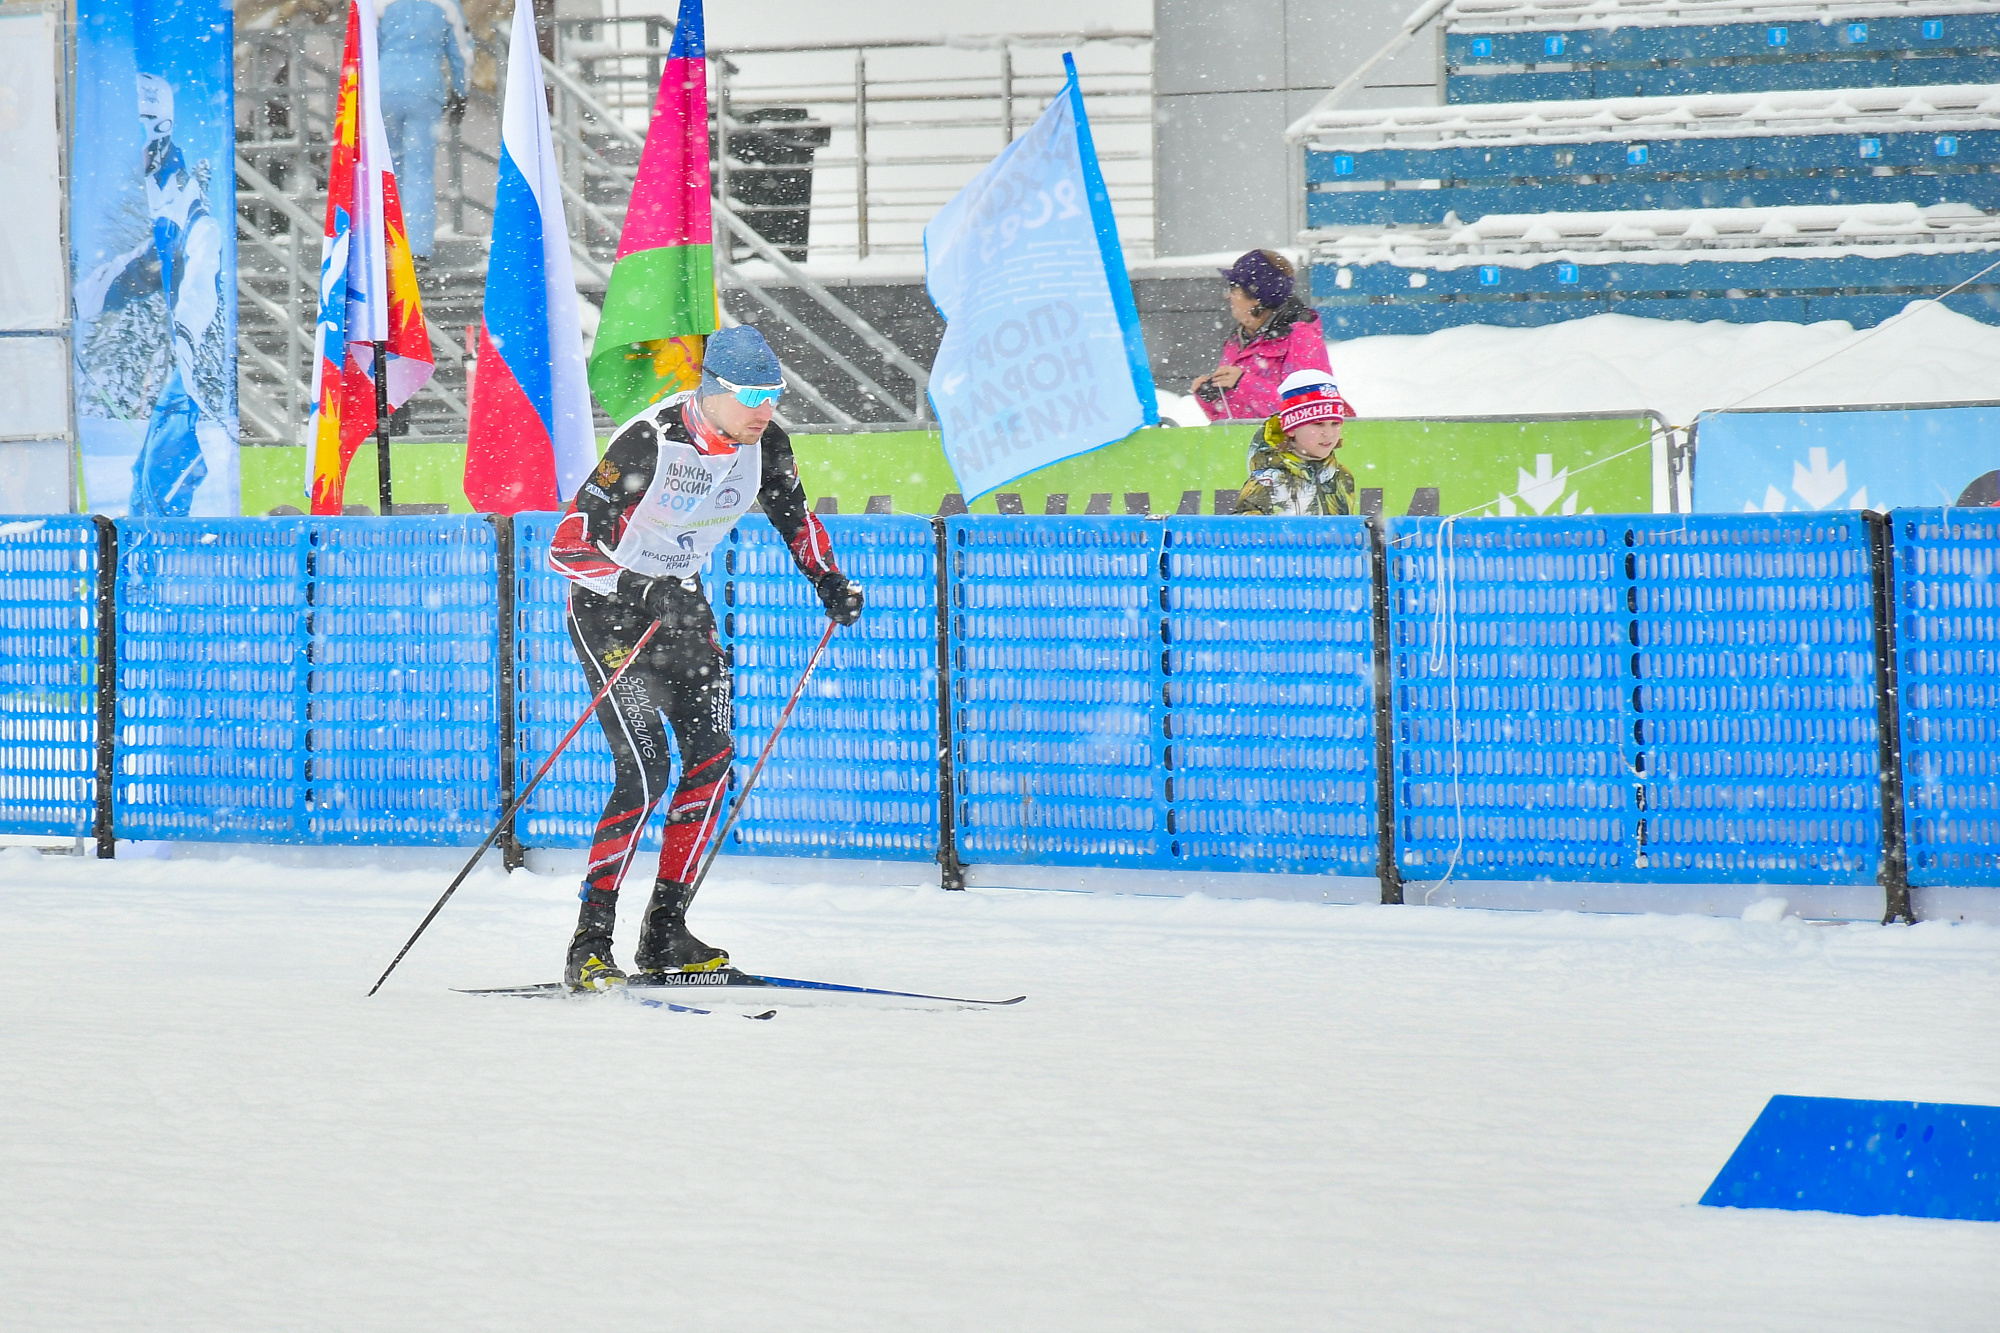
(382, 426)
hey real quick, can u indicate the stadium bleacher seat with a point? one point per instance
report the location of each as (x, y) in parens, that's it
(1861, 264)
(1525, 50)
(1416, 165)
(1760, 195)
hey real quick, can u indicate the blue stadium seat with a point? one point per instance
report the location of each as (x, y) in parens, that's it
(1678, 159)
(1507, 52)
(1360, 300)
(1418, 166)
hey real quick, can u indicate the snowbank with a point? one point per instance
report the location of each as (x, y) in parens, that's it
(1615, 363)
(1611, 363)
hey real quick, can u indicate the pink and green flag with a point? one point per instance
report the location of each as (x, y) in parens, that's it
(661, 298)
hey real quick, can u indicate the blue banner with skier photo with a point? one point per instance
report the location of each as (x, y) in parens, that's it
(153, 257)
(1042, 357)
(1831, 458)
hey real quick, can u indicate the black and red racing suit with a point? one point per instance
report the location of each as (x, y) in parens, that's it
(659, 501)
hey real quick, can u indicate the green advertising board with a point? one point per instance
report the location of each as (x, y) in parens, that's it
(1483, 467)
(423, 473)
(1487, 467)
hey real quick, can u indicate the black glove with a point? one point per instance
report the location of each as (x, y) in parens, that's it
(454, 107)
(843, 597)
(665, 600)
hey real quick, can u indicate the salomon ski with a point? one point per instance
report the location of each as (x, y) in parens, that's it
(730, 983)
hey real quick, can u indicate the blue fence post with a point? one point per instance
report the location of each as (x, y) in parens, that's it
(512, 855)
(951, 871)
(1386, 868)
(1895, 874)
(107, 683)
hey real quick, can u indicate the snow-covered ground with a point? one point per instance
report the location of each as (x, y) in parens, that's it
(1614, 363)
(1208, 1115)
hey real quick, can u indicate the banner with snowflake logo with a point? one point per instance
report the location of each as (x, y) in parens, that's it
(1835, 458)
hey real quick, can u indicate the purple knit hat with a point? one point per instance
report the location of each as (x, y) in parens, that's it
(1257, 275)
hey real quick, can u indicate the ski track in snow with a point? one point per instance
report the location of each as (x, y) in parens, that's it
(1208, 1114)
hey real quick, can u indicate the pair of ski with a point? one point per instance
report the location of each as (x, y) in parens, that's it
(645, 988)
(753, 987)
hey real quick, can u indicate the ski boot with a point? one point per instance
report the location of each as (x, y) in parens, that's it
(664, 942)
(589, 966)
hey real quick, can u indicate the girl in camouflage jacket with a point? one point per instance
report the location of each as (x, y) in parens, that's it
(1292, 469)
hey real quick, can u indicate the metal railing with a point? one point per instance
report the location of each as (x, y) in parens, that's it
(285, 84)
(293, 255)
(875, 138)
(900, 126)
(578, 108)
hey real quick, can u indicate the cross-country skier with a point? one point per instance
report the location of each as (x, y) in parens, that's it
(672, 484)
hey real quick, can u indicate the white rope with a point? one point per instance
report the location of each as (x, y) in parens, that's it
(1844, 348)
(1883, 327)
(1575, 471)
(1443, 651)
(1443, 655)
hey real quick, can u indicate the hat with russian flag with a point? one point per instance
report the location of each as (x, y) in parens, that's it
(1310, 395)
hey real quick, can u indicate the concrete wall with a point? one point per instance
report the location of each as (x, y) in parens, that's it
(1228, 79)
(1184, 315)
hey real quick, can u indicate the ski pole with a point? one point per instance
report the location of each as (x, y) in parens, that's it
(715, 849)
(515, 808)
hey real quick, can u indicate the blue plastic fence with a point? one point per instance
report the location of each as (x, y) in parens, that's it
(1756, 700)
(1638, 698)
(211, 680)
(549, 694)
(1510, 739)
(307, 680)
(1947, 590)
(1056, 680)
(48, 676)
(403, 695)
(855, 773)
(1270, 695)
(1187, 694)
(1635, 699)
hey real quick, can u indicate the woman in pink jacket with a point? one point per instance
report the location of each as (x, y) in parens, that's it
(1277, 334)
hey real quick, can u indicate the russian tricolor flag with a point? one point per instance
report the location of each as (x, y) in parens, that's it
(532, 442)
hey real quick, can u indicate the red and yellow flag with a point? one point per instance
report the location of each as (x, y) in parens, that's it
(367, 279)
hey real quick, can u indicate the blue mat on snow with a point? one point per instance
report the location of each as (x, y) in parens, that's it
(1832, 1155)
